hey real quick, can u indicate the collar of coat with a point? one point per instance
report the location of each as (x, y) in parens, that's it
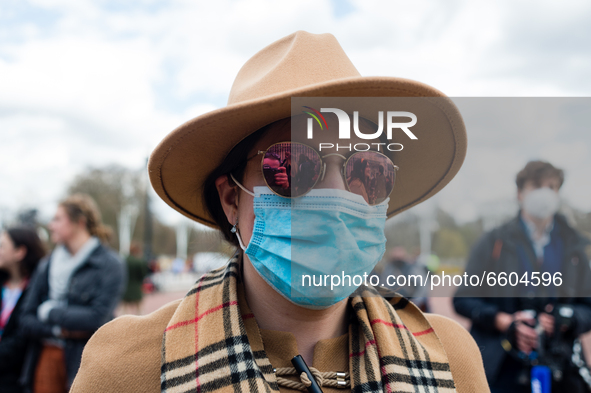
(512, 232)
(206, 347)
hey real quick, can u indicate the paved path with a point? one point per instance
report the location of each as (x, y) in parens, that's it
(154, 301)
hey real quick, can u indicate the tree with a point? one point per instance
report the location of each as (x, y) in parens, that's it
(449, 243)
(404, 232)
(113, 187)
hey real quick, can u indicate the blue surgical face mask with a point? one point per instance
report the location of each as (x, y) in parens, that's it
(297, 242)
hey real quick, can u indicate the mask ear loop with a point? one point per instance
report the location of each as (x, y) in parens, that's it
(235, 231)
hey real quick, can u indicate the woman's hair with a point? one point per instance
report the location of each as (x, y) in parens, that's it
(302, 159)
(235, 163)
(27, 238)
(82, 206)
(358, 171)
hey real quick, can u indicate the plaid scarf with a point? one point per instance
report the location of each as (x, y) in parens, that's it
(205, 347)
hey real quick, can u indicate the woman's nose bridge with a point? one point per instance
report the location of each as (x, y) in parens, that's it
(332, 176)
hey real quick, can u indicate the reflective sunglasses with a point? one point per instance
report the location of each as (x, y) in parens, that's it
(292, 169)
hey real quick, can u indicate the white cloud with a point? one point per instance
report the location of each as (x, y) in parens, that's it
(95, 82)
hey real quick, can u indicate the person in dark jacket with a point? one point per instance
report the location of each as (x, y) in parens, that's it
(20, 252)
(511, 323)
(72, 294)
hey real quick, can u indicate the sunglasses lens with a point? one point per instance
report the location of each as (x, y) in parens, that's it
(371, 175)
(291, 169)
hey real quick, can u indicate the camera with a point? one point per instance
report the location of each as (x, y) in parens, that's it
(556, 351)
(270, 173)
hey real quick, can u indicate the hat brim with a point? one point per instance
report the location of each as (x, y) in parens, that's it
(183, 160)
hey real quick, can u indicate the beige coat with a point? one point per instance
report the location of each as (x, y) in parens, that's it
(125, 355)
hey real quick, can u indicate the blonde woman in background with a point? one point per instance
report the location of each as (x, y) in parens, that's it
(73, 293)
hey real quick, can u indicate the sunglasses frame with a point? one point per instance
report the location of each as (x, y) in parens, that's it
(322, 170)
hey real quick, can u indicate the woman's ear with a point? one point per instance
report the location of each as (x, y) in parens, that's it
(81, 224)
(228, 194)
(21, 252)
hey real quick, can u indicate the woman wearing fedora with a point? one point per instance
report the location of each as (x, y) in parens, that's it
(241, 327)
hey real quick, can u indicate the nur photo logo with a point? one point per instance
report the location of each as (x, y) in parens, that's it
(392, 120)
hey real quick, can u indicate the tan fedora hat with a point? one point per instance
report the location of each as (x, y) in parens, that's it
(303, 65)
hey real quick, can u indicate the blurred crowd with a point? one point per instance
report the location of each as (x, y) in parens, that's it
(52, 304)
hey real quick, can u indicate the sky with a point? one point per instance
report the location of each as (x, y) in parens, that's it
(91, 83)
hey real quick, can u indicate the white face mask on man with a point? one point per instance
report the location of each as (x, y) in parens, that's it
(541, 203)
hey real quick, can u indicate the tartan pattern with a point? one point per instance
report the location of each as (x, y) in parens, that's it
(209, 346)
